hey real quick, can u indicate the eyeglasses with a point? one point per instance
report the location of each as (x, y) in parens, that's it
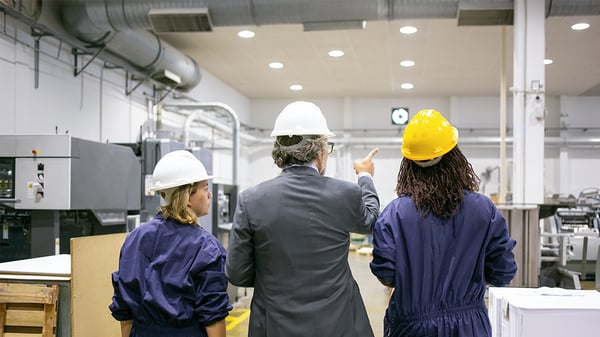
(330, 147)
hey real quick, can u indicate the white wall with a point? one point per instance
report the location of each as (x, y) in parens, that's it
(91, 106)
(473, 116)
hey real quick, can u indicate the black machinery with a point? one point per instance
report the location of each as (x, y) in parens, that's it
(571, 241)
(55, 187)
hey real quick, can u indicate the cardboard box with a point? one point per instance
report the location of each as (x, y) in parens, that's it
(543, 312)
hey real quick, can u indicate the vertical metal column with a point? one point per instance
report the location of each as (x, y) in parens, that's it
(528, 102)
(523, 226)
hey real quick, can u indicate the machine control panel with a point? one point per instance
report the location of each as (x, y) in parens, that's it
(7, 178)
(38, 185)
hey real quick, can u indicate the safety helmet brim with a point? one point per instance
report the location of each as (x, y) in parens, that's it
(177, 168)
(159, 187)
(301, 118)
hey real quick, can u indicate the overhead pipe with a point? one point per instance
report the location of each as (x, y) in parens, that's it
(194, 116)
(143, 50)
(133, 14)
(208, 106)
(198, 117)
(476, 140)
(122, 26)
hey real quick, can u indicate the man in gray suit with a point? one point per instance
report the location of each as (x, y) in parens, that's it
(291, 234)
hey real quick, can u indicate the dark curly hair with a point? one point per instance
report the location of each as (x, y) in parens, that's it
(297, 149)
(439, 188)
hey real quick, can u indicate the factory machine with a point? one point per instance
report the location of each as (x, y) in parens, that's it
(571, 239)
(56, 187)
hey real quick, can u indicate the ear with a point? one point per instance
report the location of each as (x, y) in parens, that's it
(320, 161)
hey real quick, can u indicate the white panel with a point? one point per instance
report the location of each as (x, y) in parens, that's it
(376, 113)
(212, 89)
(57, 172)
(222, 166)
(7, 85)
(583, 170)
(581, 111)
(262, 168)
(477, 112)
(551, 176)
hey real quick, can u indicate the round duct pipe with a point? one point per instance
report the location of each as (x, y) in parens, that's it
(143, 50)
(122, 26)
(117, 15)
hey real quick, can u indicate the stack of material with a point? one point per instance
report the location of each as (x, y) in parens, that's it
(543, 312)
(28, 310)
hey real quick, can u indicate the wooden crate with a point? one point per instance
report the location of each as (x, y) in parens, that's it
(28, 310)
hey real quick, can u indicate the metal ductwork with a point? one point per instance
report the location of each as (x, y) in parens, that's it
(117, 15)
(572, 7)
(142, 49)
(126, 29)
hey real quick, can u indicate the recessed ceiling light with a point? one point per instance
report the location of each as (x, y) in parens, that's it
(580, 26)
(336, 53)
(407, 63)
(275, 65)
(246, 34)
(548, 61)
(408, 30)
(407, 86)
(296, 87)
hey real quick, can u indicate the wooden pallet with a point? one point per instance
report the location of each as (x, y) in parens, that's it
(28, 310)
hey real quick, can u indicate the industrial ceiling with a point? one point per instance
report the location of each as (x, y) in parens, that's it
(461, 47)
(451, 60)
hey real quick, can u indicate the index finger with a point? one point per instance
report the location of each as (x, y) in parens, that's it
(372, 153)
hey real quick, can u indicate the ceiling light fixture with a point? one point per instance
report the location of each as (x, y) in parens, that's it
(336, 53)
(548, 61)
(407, 63)
(408, 30)
(246, 34)
(580, 26)
(407, 86)
(296, 87)
(275, 65)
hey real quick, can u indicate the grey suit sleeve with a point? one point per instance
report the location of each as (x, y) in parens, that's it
(239, 266)
(371, 202)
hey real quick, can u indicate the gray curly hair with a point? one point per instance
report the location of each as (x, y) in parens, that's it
(288, 150)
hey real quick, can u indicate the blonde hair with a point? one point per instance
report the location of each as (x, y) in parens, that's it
(177, 206)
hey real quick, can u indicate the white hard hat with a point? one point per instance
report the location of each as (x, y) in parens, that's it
(177, 168)
(301, 118)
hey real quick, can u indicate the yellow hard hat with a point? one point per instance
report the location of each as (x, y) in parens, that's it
(427, 136)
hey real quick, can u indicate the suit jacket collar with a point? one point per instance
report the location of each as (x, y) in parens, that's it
(300, 169)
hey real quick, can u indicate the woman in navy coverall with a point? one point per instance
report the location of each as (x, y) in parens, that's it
(440, 242)
(171, 280)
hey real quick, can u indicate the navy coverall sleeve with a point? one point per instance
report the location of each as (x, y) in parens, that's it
(212, 304)
(383, 265)
(500, 265)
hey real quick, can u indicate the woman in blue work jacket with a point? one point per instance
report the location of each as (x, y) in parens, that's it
(171, 279)
(440, 242)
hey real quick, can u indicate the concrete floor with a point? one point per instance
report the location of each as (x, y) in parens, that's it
(374, 294)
